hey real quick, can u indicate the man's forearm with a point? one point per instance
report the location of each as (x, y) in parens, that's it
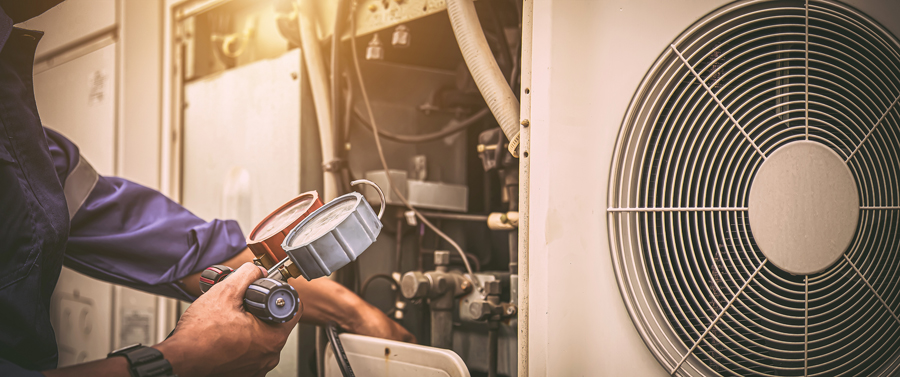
(112, 367)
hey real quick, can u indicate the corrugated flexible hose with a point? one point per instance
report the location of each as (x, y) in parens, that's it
(484, 69)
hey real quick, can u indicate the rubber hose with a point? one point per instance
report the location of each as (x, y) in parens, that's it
(318, 82)
(338, 350)
(484, 69)
(365, 286)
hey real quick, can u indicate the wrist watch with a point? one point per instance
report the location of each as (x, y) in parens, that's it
(144, 361)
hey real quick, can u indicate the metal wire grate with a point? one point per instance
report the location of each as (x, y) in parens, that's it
(746, 80)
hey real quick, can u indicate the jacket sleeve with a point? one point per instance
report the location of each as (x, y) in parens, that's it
(132, 235)
(8, 369)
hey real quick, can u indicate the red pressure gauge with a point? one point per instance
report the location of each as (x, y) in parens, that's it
(266, 238)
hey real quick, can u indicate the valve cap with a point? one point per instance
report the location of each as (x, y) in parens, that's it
(414, 285)
(271, 300)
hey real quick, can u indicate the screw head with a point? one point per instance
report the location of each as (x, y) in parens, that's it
(279, 302)
(464, 285)
(511, 310)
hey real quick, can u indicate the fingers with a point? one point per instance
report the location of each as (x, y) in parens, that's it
(236, 284)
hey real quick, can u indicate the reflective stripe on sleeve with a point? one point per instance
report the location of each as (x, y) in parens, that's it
(79, 184)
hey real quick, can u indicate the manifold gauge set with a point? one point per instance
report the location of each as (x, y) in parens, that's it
(304, 238)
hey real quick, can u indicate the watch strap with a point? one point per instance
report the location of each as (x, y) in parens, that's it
(145, 361)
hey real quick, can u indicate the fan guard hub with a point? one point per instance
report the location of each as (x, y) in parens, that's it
(803, 207)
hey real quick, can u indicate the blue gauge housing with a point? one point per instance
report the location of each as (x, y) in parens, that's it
(332, 236)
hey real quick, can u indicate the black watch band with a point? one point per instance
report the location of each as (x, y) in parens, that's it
(144, 361)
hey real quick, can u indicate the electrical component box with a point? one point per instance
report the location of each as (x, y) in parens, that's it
(421, 194)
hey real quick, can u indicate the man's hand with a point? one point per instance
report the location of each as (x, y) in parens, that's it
(215, 336)
(377, 324)
(325, 301)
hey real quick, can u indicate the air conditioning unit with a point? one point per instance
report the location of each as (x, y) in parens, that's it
(713, 188)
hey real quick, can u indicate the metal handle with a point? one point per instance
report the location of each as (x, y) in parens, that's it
(380, 193)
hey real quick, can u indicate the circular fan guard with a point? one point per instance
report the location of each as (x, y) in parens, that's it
(746, 80)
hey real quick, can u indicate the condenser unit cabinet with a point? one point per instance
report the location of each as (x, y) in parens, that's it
(713, 188)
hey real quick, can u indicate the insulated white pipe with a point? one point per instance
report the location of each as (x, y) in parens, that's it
(477, 53)
(318, 81)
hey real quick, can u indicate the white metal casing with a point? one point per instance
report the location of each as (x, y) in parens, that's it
(375, 357)
(581, 69)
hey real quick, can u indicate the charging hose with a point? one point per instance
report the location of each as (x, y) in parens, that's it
(338, 350)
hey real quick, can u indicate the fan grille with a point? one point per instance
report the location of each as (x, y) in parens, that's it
(741, 83)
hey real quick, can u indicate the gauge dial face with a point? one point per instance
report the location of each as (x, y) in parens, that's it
(282, 219)
(324, 221)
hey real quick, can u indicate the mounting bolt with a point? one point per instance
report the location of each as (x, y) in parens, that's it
(441, 258)
(480, 310)
(511, 310)
(525, 123)
(464, 285)
(279, 302)
(400, 38)
(492, 287)
(374, 51)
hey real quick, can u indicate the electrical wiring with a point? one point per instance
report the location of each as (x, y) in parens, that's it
(365, 286)
(450, 129)
(365, 97)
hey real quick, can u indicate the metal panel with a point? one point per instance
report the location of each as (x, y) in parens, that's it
(587, 60)
(81, 313)
(242, 149)
(72, 21)
(373, 357)
(140, 87)
(373, 15)
(136, 320)
(78, 99)
(242, 137)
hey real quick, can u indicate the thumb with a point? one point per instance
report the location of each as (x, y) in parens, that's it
(236, 284)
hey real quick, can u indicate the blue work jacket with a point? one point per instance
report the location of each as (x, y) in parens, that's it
(124, 233)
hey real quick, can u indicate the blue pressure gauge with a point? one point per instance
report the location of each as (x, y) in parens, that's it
(334, 235)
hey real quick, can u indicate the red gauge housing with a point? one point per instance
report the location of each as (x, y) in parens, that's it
(266, 238)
